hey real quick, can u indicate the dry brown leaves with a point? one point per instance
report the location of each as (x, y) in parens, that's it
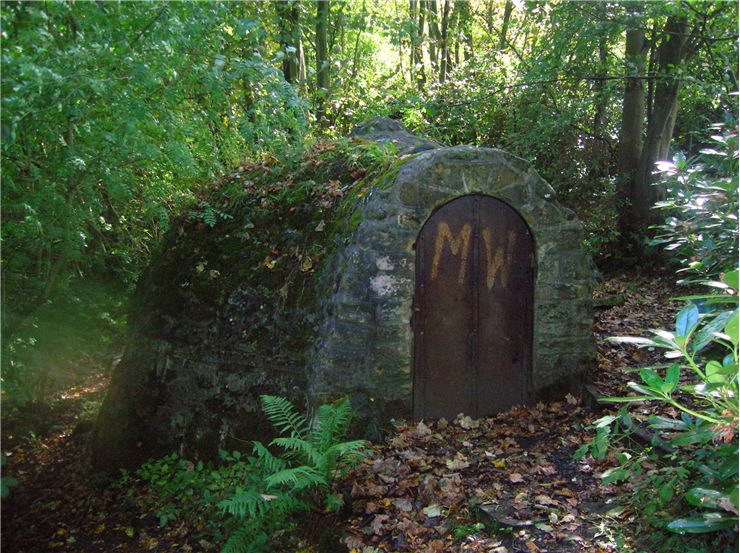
(432, 481)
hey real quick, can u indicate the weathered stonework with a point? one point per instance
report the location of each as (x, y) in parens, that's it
(365, 343)
(209, 332)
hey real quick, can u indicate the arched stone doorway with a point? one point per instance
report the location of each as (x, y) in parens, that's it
(365, 343)
(473, 309)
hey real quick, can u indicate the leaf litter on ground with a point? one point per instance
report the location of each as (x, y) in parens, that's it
(503, 484)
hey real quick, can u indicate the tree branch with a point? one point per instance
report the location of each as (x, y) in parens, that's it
(148, 26)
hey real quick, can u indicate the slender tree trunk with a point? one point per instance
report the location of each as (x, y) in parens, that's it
(673, 52)
(453, 30)
(599, 163)
(505, 25)
(633, 107)
(467, 30)
(434, 35)
(633, 118)
(356, 55)
(489, 17)
(652, 63)
(288, 14)
(301, 59)
(413, 39)
(444, 54)
(421, 71)
(322, 56)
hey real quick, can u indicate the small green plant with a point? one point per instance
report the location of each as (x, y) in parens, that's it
(301, 478)
(6, 482)
(208, 214)
(253, 499)
(466, 530)
(704, 463)
(178, 490)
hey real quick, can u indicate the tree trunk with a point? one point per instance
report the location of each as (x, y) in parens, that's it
(356, 55)
(467, 29)
(413, 40)
(633, 107)
(433, 35)
(288, 14)
(444, 54)
(652, 62)
(505, 26)
(672, 53)
(599, 147)
(421, 71)
(301, 59)
(322, 56)
(453, 30)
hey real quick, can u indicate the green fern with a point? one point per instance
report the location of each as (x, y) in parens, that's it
(303, 450)
(283, 416)
(248, 538)
(331, 423)
(265, 460)
(298, 479)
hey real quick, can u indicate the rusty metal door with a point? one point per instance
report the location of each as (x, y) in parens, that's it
(473, 309)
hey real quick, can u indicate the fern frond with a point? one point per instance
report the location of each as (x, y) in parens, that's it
(300, 447)
(248, 538)
(244, 502)
(287, 504)
(283, 416)
(266, 460)
(298, 478)
(351, 452)
(331, 424)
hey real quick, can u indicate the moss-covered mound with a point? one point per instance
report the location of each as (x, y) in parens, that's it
(297, 277)
(227, 308)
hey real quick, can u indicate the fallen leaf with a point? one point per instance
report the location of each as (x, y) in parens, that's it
(422, 430)
(377, 523)
(466, 422)
(432, 511)
(458, 463)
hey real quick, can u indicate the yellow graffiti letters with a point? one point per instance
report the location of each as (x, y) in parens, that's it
(460, 245)
(499, 260)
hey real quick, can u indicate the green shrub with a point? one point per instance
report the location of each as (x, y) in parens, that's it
(262, 493)
(6, 482)
(180, 490)
(701, 205)
(703, 464)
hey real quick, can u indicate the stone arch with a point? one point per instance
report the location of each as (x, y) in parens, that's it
(364, 347)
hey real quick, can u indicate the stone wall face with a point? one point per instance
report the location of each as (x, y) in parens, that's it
(206, 340)
(365, 343)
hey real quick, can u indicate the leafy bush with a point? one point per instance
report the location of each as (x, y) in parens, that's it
(700, 459)
(300, 479)
(180, 490)
(703, 465)
(701, 226)
(261, 493)
(113, 116)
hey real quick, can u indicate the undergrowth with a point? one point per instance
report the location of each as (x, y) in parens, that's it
(256, 502)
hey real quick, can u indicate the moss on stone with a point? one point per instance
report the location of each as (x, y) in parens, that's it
(232, 291)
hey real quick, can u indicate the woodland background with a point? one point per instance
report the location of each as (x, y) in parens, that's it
(120, 119)
(116, 116)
